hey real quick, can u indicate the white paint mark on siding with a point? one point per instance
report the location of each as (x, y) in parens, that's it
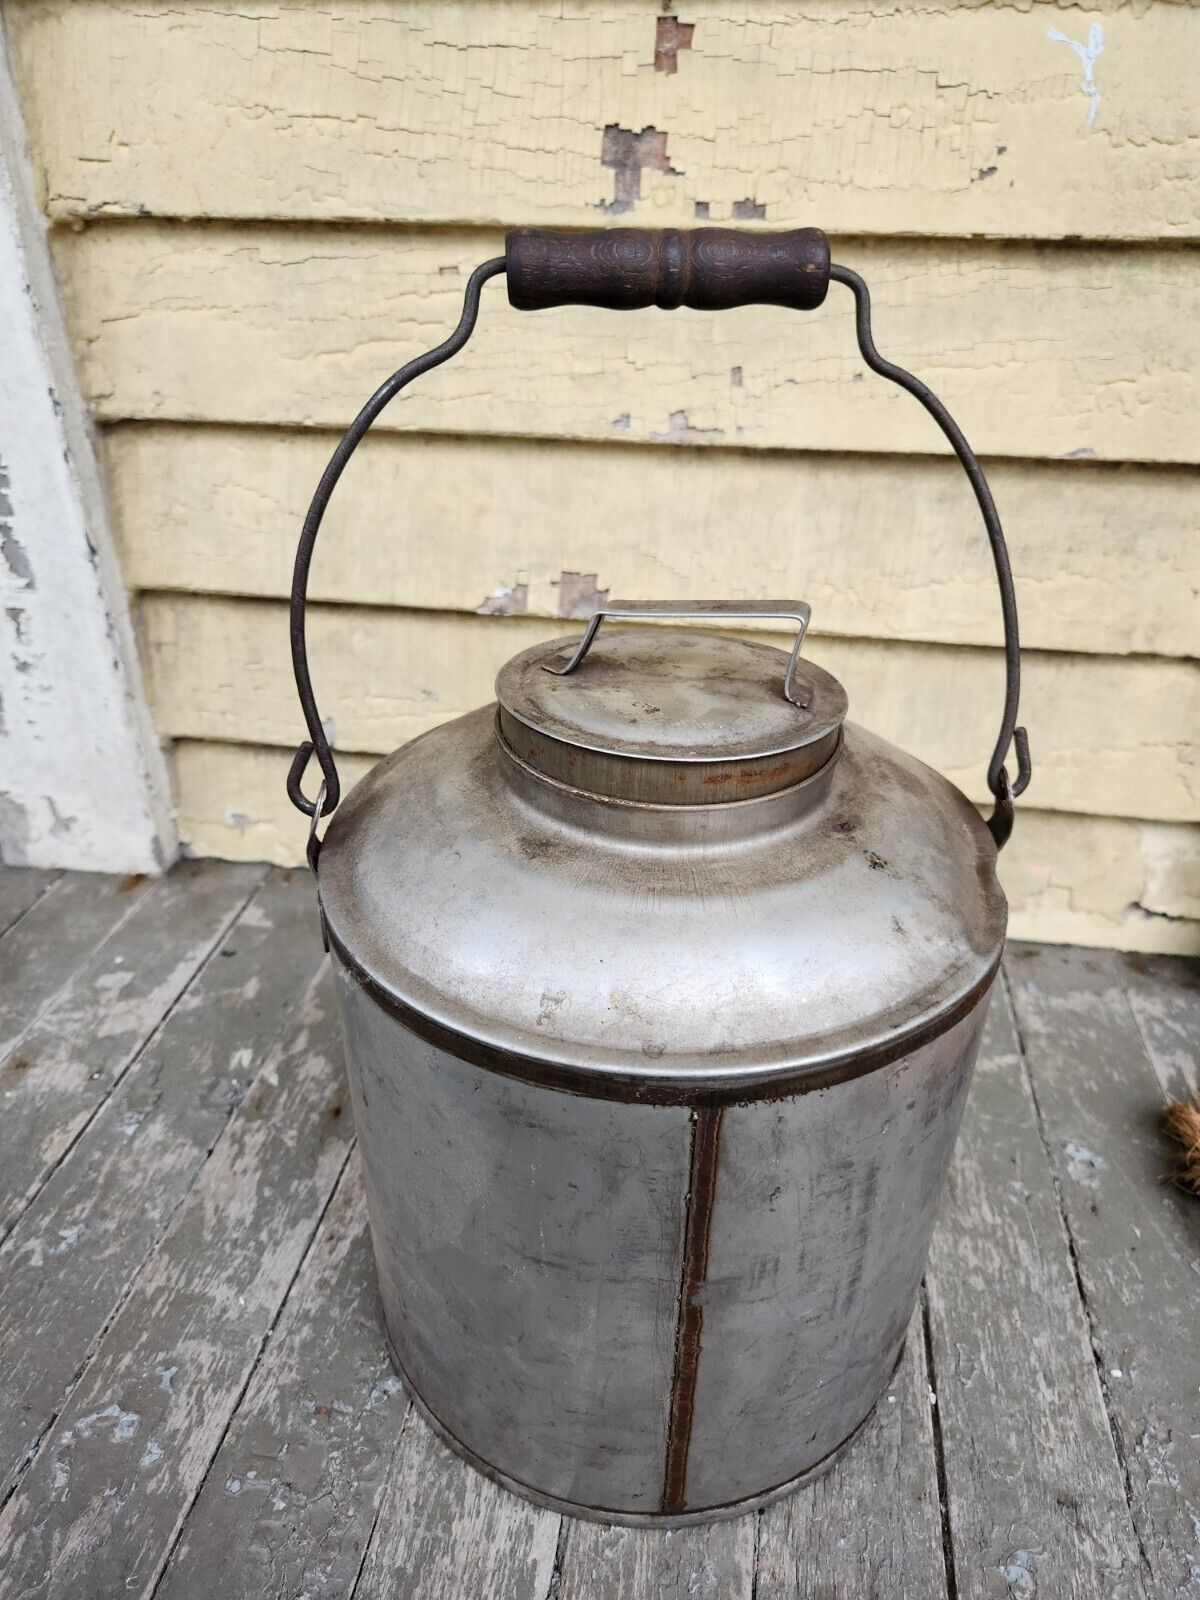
(1087, 54)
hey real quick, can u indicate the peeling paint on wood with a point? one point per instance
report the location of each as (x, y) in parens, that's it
(53, 941)
(69, 1060)
(292, 1496)
(103, 1209)
(1036, 1500)
(1135, 1239)
(444, 1529)
(701, 1563)
(872, 1527)
(20, 889)
(1037, 353)
(857, 115)
(216, 509)
(101, 1503)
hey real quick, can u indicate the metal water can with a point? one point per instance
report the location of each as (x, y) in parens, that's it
(662, 984)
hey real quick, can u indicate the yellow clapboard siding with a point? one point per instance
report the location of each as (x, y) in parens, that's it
(1084, 880)
(1109, 736)
(1107, 559)
(1075, 351)
(856, 115)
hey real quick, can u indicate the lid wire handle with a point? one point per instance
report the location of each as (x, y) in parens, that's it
(797, 611)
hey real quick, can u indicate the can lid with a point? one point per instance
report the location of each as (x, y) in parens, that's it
(669, 716)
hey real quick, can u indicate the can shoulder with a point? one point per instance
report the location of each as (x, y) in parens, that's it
(721, 948)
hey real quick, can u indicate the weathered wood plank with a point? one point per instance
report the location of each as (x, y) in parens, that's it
(444, 1529)
(1135, 1238)
(851, 114)
(872, 1527)
(511, 525)
(21, 888)
(70, 1058)
(1164, 996)
(101, 1504)
(54, 939)
(1036, 1496)
(1037, 353)
(291, 1497)
(385, 678)
(613, 1563)
(71, 1259)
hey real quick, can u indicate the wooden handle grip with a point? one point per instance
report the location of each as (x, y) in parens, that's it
(708, 269)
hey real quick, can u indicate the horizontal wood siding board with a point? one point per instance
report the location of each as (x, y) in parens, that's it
(1087, 880)
(849, 114)
(1110, 737)
(1107, 558)
(1076, 351)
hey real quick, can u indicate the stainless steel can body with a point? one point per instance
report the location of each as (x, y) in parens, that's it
(641, 1311)
(656, 1096)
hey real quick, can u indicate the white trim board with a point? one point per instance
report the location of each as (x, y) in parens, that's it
(83, 781)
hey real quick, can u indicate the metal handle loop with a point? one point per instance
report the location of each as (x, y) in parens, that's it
(1002, 788)
(798, 611)
(317, 743)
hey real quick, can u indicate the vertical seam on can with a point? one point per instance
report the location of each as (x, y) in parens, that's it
(702, 1188)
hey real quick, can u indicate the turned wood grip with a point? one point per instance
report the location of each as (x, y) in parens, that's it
(708, 269)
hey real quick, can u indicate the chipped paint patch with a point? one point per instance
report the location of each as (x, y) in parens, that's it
(16, 557)
(629, 154)
(1083, 1165)
(670, 37)
(680, 430)
(579, 594)
(1019, 1574)
(748, 211)
(505, 600)
(1087, 54)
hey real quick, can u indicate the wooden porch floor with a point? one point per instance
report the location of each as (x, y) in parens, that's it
(195, 1399)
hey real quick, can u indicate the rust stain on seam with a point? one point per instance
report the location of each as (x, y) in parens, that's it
(702, 1188)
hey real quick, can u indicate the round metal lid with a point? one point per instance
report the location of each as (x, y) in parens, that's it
(669, 716)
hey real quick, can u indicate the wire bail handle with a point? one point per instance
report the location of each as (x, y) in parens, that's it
(627, 269)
